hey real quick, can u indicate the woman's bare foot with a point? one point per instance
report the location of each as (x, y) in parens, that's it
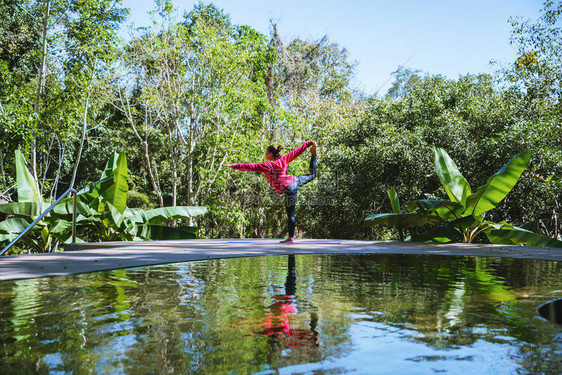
(313, 148)
(288, 240)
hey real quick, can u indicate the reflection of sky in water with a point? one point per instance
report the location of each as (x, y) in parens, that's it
(358, 314)
(54, 361)
(381, 349)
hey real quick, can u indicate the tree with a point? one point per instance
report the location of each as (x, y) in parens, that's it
(198, 86)
(68, 53)
(538, 70)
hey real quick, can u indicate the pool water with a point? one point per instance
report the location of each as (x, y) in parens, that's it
(336, 314)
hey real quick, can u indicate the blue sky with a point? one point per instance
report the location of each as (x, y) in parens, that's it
(448, 37)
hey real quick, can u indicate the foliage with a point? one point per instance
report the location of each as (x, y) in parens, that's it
(111, 220)
(443, 301)
(191, 93)
(538, 70)
(235, 92)
(463, 215)
(53, 55)
(389, 145)
(101, 209)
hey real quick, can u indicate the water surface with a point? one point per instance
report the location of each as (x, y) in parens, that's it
(337, 314)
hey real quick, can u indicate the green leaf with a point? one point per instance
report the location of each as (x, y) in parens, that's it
(497, 186)
(66, 238)
(61, 226)
(7, 237)
(28, 190)
(443, 234)
(400, 220)
(159, 232)
(455, 184)
(115, 215)
(132, 212)
(92, 191)
(13, 225)
(31, 209)
(34, 209)
(465, 222)
(446, 210)
(115, 192)
(525, 237)
(530, 226)
(163, 214)
(498, 240)
(111, 165)
(65, 209)
(394, 201)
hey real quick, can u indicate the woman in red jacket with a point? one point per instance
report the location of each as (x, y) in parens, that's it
(275, 170)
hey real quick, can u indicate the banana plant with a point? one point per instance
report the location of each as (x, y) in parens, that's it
(49, 232)
(112, 220)
(462, 216)
(102, 212)
(398, 219)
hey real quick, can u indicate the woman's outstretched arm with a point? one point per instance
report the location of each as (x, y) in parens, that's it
(296, 152)
(257, 167)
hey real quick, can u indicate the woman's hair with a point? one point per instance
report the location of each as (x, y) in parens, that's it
(275, 150)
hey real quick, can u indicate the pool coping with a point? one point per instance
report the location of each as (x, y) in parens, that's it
(91, 257)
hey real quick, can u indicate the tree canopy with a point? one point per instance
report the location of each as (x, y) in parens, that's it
(193, 92)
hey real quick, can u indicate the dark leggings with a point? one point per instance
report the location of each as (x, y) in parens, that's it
(291, 194)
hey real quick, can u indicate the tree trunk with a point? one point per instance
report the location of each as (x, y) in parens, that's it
(190, 163)
(84, 130)
(40, 89)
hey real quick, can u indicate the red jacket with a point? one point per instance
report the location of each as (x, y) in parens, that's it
(276, 170)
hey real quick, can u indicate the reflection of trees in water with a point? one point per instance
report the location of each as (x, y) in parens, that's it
(197, 317)
(451, 301)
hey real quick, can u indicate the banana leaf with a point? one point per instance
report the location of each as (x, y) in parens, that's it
(13, 225)
(115, 191)
(66, 238)
(499, 240)
(455, 184)
(34, 209)
(111, 165)
(92, 191)
(61, 226)
(502, 225)
(497, 186)
(525, 237)
(530, 226)
(443, 234)
(7, 237)
(28, 190)
(445, 209)
(400, 220)
(465, 222)
(132, 212)
(65, 209)
(31, 209)
(115, 215)
(163, 214)
(159, 232)
(426, 204)
(394, 201)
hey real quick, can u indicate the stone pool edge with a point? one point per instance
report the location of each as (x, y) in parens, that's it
(91, 257)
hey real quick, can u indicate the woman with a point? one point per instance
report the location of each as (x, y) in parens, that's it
(275, 169)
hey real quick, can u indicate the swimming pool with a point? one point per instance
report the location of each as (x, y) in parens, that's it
(288, 314)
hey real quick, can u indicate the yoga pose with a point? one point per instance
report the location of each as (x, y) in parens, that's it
(275, 169)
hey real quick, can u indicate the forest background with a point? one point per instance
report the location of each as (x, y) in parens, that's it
(186, 95)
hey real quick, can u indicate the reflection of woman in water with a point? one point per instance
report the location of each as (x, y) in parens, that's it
(275, 169)
(277, 325)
